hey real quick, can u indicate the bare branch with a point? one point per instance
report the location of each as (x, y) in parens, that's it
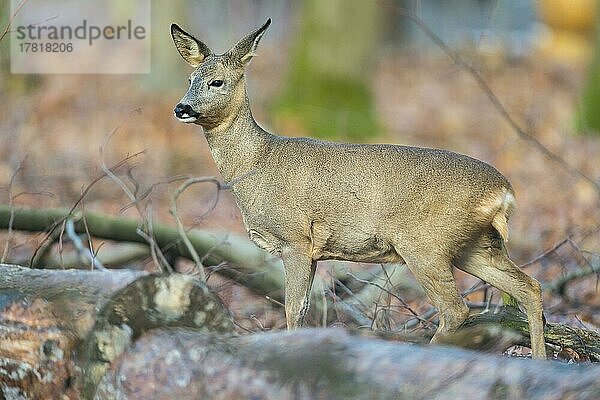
(559, 285)
(383, 289)
(13, 176)
(84, 193)
(12, 17)
(157, 254)
(145, 217)
(81, 250)
(182, 233)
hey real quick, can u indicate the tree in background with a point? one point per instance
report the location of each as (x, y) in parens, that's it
(11, 83)
(328, 89)
(165, 62)
(588, 117)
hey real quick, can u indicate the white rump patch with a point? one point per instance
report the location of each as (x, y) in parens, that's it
(498, 209)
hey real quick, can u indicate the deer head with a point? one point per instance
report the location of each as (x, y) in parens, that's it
(217, 86)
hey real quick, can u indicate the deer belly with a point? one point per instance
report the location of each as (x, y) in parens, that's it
(353, 245)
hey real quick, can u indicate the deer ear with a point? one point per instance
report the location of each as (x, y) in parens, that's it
(193, 51)
(244, 50)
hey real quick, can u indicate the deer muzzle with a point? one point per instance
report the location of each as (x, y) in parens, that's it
(185, 113)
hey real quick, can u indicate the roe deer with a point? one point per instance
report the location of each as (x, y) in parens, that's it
(307, 200)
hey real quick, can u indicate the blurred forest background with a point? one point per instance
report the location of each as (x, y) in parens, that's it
(344, 70)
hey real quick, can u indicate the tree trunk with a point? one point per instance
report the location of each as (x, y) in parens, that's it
(328, 89)
(588, 116)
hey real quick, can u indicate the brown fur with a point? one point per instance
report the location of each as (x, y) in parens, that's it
(308, 200)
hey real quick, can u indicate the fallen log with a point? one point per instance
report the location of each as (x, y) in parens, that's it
(152, 301)
(75, 296)
(246, 263)
(44, 316)
(72, 297)
(584, 342)
(42, 354)
(331, 364)
(42, 327)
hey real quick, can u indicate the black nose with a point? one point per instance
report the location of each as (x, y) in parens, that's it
(184, 111)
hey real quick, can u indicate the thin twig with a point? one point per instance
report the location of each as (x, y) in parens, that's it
(274, 301)
(147, 192)
(44, 249)
(257, 321)
(89, 237)
(12, 17)
(404, 304)
(84, 193)
(214, 268)
(145, 218)
(60, 241)
(182, 233)
(413, 322)
(546, 253)
(162, 264)
(236, 323)
(346, 289)
(79, 247)
(559, 284)
(11, 182)
(350, 310)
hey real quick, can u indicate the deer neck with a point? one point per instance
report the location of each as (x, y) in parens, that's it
(237, 144)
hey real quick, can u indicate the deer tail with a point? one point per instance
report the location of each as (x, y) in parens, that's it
(500, 219)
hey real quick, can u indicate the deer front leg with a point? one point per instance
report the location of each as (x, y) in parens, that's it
(299, 275)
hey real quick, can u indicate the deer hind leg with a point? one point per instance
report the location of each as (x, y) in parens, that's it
(489, 261)
(436, 278)
(299, 275)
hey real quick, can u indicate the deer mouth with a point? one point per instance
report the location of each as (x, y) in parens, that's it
(186, 118)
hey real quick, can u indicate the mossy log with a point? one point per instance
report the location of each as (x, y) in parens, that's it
(246, 263)
(584, 342)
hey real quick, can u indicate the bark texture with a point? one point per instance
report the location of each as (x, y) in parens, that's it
(332, 364)
(168, 336)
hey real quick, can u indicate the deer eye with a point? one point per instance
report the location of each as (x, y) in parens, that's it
(216, 83)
